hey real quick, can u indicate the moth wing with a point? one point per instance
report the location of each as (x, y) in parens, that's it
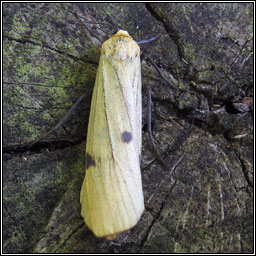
(111, 196)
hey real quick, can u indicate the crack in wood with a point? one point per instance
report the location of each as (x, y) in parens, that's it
(44, 45)
(69, 236)
(14, 221)
(168, 26)
(10, 151)
(244, 169)
(157, 216)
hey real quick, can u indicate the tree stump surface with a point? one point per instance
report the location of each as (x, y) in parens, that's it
(203, 128)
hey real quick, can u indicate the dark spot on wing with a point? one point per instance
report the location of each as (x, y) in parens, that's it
(89, 161)
(126, 137)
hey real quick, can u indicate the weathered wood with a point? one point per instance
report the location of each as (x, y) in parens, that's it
(50, 55)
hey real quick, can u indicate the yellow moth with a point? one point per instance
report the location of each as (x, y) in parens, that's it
(111, 195)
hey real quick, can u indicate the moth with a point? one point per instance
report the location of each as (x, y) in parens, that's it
(111, 196)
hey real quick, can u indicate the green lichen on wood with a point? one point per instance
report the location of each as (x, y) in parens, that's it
(189, 51)
(50, 59)
(60, 75)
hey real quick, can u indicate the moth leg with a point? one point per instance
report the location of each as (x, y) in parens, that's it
(148, 40)
(61, 122)
(149, 130)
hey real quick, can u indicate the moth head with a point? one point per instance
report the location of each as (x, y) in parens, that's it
(120, 47)
(122, 33)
